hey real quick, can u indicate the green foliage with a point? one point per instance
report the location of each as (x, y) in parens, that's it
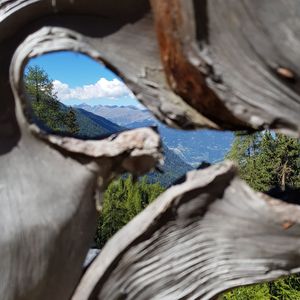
(251, 292)
(287, 162)
(123, 200)
(267, 161)
(46, 109)
(245, 151)
(38, 84)
(71, 122)
(43, 100)
(287, 288)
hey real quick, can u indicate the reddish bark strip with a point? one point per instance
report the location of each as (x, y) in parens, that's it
(183, 76)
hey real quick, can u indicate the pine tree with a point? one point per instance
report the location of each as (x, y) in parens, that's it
(267, 161)
(113, 216)
(37, 83)
(287, 162)
(266, 173)
(245, 152)
(70, 122)
(42, 99)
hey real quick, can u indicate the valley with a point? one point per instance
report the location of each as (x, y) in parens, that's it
(193, 147)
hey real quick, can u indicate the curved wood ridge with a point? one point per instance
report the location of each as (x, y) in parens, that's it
(199, 238)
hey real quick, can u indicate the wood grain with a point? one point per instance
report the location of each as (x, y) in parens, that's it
(199, 238)
(214, 64)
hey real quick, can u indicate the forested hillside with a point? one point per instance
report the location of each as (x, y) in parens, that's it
(53, 116)
(173, 168)
(123, 200)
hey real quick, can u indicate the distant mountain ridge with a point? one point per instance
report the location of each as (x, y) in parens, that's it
(191, 146)
(95, 126)
(174, 167)
(91, 126)
(120, 115)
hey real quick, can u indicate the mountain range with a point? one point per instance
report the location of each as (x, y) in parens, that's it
(183, 150)
(93, 126)
(192, 146)
(120, 115)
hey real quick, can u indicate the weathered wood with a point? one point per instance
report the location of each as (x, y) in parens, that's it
(176, 34)
(225, 57)
(216, 64)
(48, 214)
(220, 68)
(48, 183)
(199, 238)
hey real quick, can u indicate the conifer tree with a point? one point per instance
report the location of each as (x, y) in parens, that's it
(70, 122)
(43, 100)
(266, 173)
(113, 216)
(287, 162)
(267, 161)
(123, 200)
(245, 151)
(37, 83)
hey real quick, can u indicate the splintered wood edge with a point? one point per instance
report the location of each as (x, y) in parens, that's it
(141, 141)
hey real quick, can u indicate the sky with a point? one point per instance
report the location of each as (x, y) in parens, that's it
(79, 79)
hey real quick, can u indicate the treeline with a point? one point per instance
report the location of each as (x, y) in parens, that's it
(46, 110)
(123, 200)
(270, 163)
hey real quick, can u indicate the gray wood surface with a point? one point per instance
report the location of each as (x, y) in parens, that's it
(234, 60)
(219, 64)
(48, 183)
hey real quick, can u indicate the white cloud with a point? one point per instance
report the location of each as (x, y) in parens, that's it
(103, 88)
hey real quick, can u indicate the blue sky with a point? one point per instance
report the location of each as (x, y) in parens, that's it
(80, 79)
